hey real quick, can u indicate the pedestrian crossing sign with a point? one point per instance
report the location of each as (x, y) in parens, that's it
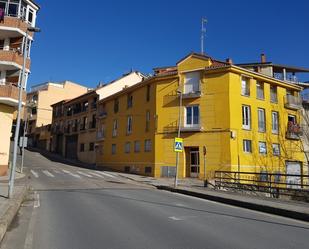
(178, 144)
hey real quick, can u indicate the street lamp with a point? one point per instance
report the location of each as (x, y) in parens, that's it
(20, 93)
(179, 92)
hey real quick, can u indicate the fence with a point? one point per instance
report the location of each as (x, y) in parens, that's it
(275, 184)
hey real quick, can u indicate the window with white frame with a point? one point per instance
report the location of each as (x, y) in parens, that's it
(115, 128)
(127, 147)
(137, 146)
(192, 82)
(192, 116)
(245, 86)
(129, 125)
(273, 94)
(147, 146)
(247, 146)
(275, 122)
(113, 149)
(261, 120)
(260, 90)
(262, 148)
(276, 149)
(246, 117)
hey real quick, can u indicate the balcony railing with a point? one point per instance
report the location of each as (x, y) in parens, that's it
(294, 131)
(292, 102)
(191, 128)
(13, 56)
(191, 91)
(9, 94)
(100, 135)
(103, 114)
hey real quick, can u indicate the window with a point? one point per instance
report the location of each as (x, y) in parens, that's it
(147, 145)
(260, 90)
(115, 128)
(246, 117)
(129, 125)
(148, 93)
(262, 148)
(101, 131)
(247, 146)
(82, 147)
(148, 170)
(129, 100)
(116, 105)
(192, 118)
(273, 94)
(261, 120)
(147, 120)
(275, 122)
(91, 146)
(192, 82)
(245, 86)
(13, 9)
(276, 149)
(137, 146)
(127, 147)
(292, 119)
(113, 149)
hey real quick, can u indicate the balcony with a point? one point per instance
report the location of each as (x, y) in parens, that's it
(100, 135)
(191, 95)
(12, 60)
(14, 27)
(294, 131)
(193, 128)
(191, 91)
(292, 102)
(9, 94)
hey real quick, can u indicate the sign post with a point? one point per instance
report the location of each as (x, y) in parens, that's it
(178, 147)
(204, 153)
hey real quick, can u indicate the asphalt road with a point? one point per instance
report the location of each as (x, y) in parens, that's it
(77, 208)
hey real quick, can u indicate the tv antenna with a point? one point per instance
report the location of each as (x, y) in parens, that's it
(203, 33)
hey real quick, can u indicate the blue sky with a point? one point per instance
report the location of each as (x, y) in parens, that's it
(92, 41)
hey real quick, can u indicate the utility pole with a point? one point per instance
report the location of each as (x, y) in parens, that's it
(21, 86)
(203, 34)
(178, 135)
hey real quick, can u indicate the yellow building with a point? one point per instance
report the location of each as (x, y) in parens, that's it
(246, 120)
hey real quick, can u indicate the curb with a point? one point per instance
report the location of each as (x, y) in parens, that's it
(253, 206)
(11, 211)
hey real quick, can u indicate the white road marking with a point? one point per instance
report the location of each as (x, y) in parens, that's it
(174, 218)
(84, 174)
(37, 200)
(70, 173)
(95, 174)
(34, 173)
(46, 172)
(57, 171)
(105, 174)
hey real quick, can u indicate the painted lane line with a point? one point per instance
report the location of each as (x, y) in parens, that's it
(105, 174)
(34, 173)
(37, 200)
(47, 173)
(174, 218)
(84, 174)
(71, 174)
(95, 174)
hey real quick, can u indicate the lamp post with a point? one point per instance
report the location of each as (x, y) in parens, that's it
(178, 135)
(20, 94)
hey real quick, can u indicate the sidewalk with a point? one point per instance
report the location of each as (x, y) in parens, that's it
(194, 187)
(10, 207)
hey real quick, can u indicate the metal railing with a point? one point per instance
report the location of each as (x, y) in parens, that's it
(291, 101)
(274, 184)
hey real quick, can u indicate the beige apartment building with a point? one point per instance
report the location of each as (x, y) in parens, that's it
(16, 18)
(39, 111)
(73, 130)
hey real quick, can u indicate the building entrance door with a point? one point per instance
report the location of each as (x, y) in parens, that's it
(194, 162)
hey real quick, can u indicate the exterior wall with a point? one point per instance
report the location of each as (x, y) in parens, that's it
(136, 161)
(290, 149)
(53, 95)
(6, 117)
(117, 85)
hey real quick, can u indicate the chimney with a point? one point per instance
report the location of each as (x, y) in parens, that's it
(263, 58)
(229, 61)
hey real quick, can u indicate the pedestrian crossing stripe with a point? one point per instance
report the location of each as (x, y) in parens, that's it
(178, 145)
